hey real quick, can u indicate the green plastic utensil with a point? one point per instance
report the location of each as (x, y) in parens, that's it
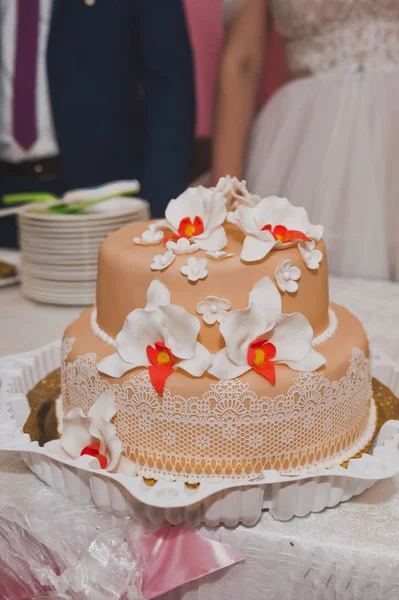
(58, 206)
(63, 208)
(28, 197)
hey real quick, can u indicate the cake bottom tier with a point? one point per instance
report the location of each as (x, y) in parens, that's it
(205, 428)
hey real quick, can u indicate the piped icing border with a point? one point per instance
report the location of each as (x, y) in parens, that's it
(98, 332)
(329, 332)
(317, 341)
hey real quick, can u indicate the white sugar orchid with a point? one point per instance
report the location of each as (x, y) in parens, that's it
(213, 309)
(218, 255)
(310, 255)
(259, 337)
(182, 246)
(198, 215)
(92, 435)
(287, 276)
(195, 269)
(235, 192)
(161, 337)
(274, 223)
(150, 236)
(316, 232)
(162, 261)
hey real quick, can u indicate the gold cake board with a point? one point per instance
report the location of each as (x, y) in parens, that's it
(42, 425)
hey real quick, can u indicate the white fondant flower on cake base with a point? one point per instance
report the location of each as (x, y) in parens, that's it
(287, 276)
(150, 236)
(161, 261)
(182, 246)
(198, 215)
(93, 435)
(310, 255)
(195, 269)
(274, 223)
(235, 192)
(213, 309)
(161, 337)
(259, 337)
(218, 255)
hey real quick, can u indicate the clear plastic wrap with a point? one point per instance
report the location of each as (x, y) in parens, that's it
(51, 548)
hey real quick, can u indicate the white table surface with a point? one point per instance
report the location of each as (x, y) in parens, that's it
(24, 324)
(350, 552)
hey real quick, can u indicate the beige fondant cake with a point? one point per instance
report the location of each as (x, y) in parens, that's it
(213, 349)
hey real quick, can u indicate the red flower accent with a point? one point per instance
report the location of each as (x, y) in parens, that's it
(260, 353)
(187, 228)
(284, 235)
(162, 361)
(94, 450)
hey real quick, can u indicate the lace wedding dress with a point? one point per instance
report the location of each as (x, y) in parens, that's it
(329, 139)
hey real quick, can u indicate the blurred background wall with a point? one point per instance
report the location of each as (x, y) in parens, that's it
(205, 20)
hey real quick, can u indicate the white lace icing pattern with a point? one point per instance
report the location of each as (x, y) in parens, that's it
(320, 339)
(230, 431)
(66, 347)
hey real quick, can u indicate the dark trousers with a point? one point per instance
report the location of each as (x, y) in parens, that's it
(11, 184)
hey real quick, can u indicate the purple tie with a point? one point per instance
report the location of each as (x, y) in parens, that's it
(24, 101)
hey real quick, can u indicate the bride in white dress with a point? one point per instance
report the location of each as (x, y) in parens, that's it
(329, 139)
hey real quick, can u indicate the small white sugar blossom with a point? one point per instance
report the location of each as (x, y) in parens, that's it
(93, 435)
(213, 309)
(310, 255)
(219, 255)
(150, 236)
(182, 246)
(235, 192)
(287, 276)
(162, 261)
(195, 269)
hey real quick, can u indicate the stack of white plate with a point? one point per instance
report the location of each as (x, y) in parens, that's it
(59, 252)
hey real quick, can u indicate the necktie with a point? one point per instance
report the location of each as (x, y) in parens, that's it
(24, 99)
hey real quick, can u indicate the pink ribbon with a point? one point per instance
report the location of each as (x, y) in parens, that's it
(174, 556)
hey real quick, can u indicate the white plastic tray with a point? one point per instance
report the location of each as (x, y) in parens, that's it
(227, 502)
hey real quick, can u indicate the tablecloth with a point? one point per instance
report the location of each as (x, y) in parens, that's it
(350, 552)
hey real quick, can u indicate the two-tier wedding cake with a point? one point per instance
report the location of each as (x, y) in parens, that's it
(213, 349)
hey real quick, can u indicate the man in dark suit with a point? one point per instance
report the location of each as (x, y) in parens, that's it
(93, 91)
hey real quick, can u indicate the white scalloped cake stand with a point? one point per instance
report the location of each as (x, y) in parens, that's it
(224, 501)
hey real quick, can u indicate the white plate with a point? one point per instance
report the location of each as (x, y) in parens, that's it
(60, 268)
(9, 281)
(67, 226)
(67, 233)
(71, 247)
(61, 299)
(88, 228)
(108, 209)
(61, 236)
(62, 259)
(12, 257)
(58, 287)
(61, 273)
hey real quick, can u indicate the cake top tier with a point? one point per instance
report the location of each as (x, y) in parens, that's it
(223, 257)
